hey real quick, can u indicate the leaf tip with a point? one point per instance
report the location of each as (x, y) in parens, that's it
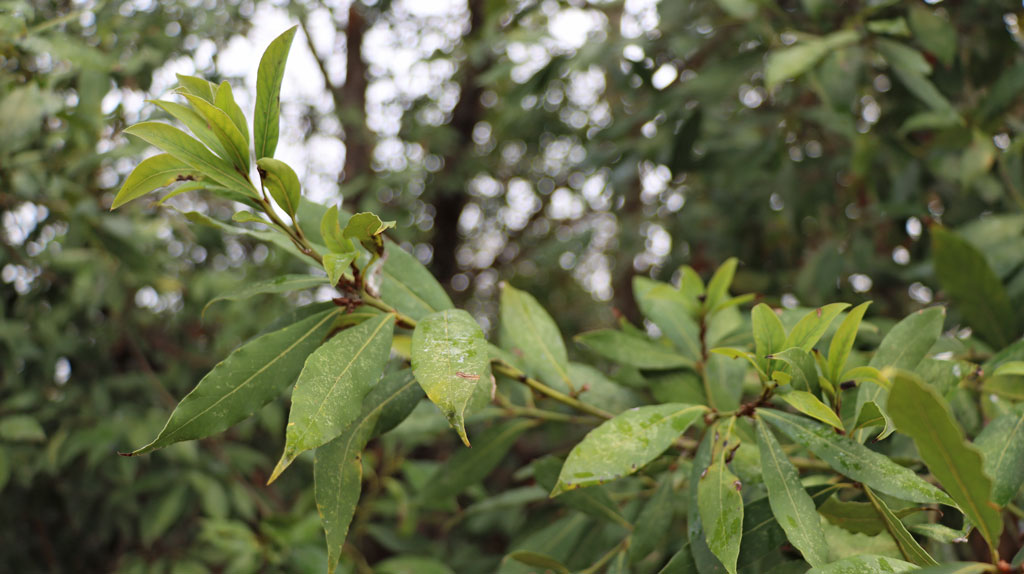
(282, 465)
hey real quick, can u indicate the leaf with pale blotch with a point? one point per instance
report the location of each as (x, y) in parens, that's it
(624, 444)
(721, 513)
(189, 151)
(909, 547)
(1002, 445)
(279, 284)
(252, 376)
(854, 460)
(865, 564)
(151, 174)
(667, 308)
(904, 346)
(331, 387)
(410, 287)
(790, 503)
(842, 342)
(469, 466)
(338, 468)
(631, 350)
(811, 406)
(534, 336)
(450, 360)
(282, 183)
(809, 329)
(921, 413)
(266, 121)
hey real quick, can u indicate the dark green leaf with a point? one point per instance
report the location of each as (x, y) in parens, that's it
(631, 350)
(544, 561)
(409, 286)
(266, 123)
(594, 501)
(654, 521)
(933, 32)
(865, 564)
(1002, 445)
(909, 547)
(534, 336)
(279, 284)
(667, 308)
(21, 428)
(721, 512)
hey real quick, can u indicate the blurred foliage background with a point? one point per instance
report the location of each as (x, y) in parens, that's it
(563, 146)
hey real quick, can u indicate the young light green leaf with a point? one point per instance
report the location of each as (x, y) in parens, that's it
(450, 361)
(812, 326)
(633, 351)
(692, 288)
(547, 563)
(667, 308)
(721, 513)
(904, 346)
(842, 342)
(332, 384)
(811, 406)
(976, 290)
(909, 547)
(741, 354)
(338, 265)
(224, 128)
(151, 174)
(201, 87)
(854, 460)
(1010, 368)
(225, 100)
(653, 523)
(769, 335)
(469, 466)
(409, 286)
(534, 336)
(330, 232)
(790, 503)
(1002, 445)
(338, 469)
(248, 217)
(282, 183)
(803, 372)
(195, 124)
(252, 376)
(412, 565)
(718, 285)
(266, 121)
(368, 229)
(279, 284)
(865, 564)
(919, 411)
(189, 151)
(871, 415)
(624, 444)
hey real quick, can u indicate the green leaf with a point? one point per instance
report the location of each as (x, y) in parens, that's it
(593, 501)
(410, 287)
(871, 415)
(718, 285)
(534, 336)
(250, 377)
(909, 547)
(803, 372)
(469, 466)
(864, 564)
(912, 69)
(282, 183)
(195, 124)
(544, 561)
(623, 445)
(957, 568)
(740, 354)
(557, 540)
(338, 468)
(933, 32)
(225, 100)
(721, 512)
(790, 503)
(157, 517)
(338, 265)
(1010, 368)
(842, 342)
(450, 360)
(21, 428)
(1003, 93)
(151, 174)
(1002, 445)
(859, 517)
(811, 406)
(192, 153)
(904, 347)
(654, 521)
(854, 460)
(919, 411)
(223, 127)
(692, 288)
(279, 284)
(812, 326)
(632, 350)
(742, 9)
(667, 308)
(201, 87)
(412, 565)
(797, 60)
(330, 231)
(266, 121)
(368, 229)
(974, 288)
(332, 384)
(769, 335)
